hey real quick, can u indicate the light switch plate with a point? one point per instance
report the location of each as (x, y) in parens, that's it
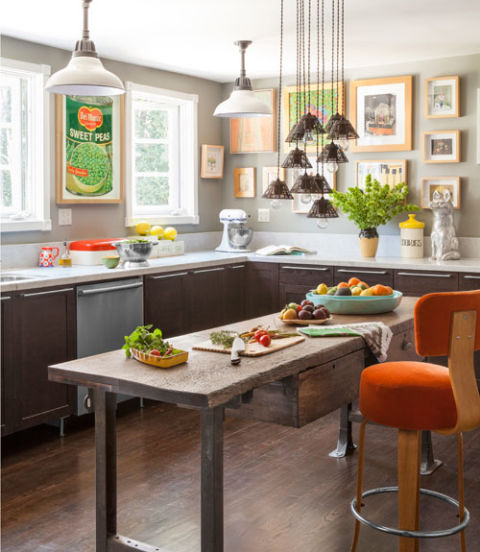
(64, 217)
(263, 215)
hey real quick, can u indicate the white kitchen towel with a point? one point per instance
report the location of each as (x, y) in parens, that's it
(377, 335)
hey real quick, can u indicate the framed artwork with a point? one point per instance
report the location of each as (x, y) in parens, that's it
(442, 97)
(317, 104)
(269, 174)
(255, 134)
(440, 184)
(390, 172)
(212, 161)
(441, 146)
(89, 149)
(244, 182)
(300, 205)
(381, 112)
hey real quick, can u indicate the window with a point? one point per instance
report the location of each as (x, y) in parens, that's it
(161, 156)
(24, 151)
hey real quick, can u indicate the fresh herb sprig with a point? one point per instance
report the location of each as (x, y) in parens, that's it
(223, 337)
(144, 340)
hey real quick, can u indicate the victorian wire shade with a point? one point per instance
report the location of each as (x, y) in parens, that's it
(305, 184)
(297, 159)
(322, 208)
(331, 153)
(308, 123)
(322, 184)
(277, 189)
(342, 129)
(333, 119)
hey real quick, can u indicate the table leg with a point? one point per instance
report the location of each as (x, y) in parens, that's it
(212, 479)
(106, 467)
(345, 443)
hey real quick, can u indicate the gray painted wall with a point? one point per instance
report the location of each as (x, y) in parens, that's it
(91, 221)
(467, 219)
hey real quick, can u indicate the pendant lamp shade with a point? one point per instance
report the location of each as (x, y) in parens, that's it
(242, 101)
(323, 209)
(85, 74)
(277, 189)
(296, 159)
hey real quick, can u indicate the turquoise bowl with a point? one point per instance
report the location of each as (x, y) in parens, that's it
(338, 304)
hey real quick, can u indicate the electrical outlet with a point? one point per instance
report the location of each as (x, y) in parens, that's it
(263, 215)
(64, 217)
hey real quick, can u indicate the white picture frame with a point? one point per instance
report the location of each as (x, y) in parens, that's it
(441, 146)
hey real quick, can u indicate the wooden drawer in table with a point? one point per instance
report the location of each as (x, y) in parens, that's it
(300, 399)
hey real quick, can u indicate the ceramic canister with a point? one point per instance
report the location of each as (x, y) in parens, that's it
(411, 237)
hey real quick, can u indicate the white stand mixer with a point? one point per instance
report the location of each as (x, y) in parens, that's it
(236, 236)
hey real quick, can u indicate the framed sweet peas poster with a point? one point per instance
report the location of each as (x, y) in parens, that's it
(89, 149)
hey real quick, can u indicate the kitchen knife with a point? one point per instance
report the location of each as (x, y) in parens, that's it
(238, 346)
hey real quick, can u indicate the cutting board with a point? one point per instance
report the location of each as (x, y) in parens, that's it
(253, 349)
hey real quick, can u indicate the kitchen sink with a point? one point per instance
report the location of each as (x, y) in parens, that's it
(12, 277)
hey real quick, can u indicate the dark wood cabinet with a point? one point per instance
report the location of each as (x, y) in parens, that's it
(261, 289)
(468, 282)
(295, 281)
(164, 303)
(204, 298)
(44, 325)
(233, 309)
(418, 282)
(7, 360)
(371, 276)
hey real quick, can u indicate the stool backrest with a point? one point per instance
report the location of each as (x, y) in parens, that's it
(449, 324)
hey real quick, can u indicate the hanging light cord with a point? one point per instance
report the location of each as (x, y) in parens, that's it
(308, 52)
(297, 77)
(333, 54)
(279, 100)
(343, 52)
(338, 49)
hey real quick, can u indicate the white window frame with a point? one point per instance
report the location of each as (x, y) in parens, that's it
(187, 105)
(38, 130)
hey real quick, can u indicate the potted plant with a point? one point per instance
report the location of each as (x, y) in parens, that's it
(372, 207)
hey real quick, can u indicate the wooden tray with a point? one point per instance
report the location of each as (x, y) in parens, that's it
(298, 322)
(253, 349)
(158, 362)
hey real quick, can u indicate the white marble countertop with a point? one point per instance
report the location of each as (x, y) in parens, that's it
(58, 276)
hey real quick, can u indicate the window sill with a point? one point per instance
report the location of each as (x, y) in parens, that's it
(163, 220)
(9, 225)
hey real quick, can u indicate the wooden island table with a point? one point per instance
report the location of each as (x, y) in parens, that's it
(293, 386)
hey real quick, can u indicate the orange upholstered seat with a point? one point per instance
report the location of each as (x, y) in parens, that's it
(408, 395)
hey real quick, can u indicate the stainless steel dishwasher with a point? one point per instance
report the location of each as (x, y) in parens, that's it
(106, 313)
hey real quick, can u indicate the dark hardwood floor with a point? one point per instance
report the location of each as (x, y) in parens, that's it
(282, 491)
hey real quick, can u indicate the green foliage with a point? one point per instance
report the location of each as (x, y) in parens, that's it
(145, 340)
(374, 206)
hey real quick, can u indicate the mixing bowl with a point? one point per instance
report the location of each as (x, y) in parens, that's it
(134, 253)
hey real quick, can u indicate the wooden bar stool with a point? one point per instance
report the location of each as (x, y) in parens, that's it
(416, 396)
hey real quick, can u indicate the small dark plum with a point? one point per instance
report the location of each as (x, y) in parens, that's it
(305, 315)
(319, 314)
(345, 291)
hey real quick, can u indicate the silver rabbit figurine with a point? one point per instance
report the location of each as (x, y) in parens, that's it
(444, 239)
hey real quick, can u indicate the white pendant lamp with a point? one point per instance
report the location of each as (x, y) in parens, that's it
(242, 101)
(85, 74)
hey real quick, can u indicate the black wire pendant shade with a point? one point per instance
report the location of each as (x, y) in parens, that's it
(277, 189)
(333, 119)
(322, 208)
(332, 153)
(308, 125)
(297, 159)
(305, 184)
(342, 129)
(321, 184)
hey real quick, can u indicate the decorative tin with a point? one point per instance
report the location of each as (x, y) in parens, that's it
(411, 238)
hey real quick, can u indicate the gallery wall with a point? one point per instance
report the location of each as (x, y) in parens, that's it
(467, 218)
(106, 221)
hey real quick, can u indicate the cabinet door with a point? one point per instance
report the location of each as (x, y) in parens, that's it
(371, 276)
(233, 309)
(164, 306)
(469, 282)
(45, 334)
(6, 368)
(261, 289)
(296, 280)
(205, 297)
(417, 283)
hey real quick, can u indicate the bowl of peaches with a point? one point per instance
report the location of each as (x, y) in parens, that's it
(355, 297)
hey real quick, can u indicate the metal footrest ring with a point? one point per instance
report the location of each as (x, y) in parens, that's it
(404, 532)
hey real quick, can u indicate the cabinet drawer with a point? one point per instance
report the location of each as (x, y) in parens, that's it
(371, 276)
(300, 399)
(469, 282)
(402, 347)
(420, 282)
(309, 276)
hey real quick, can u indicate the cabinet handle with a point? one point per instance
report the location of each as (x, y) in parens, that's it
(106, 289)
(471, 277)
(424, 275)
(38, 293)
(208, 270)
(237, 266)
(5, 297)
(163, 276)
(319, 269)
(355, 271)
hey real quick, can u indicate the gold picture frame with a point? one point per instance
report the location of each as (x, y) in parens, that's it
(116, 157)
(431, 183)
(442, 97)
(212, 161)
(386, 171)
(255, 134)
(441, 146)
(324, 111)
(381, 112)
(244, 182)
(269, 174)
